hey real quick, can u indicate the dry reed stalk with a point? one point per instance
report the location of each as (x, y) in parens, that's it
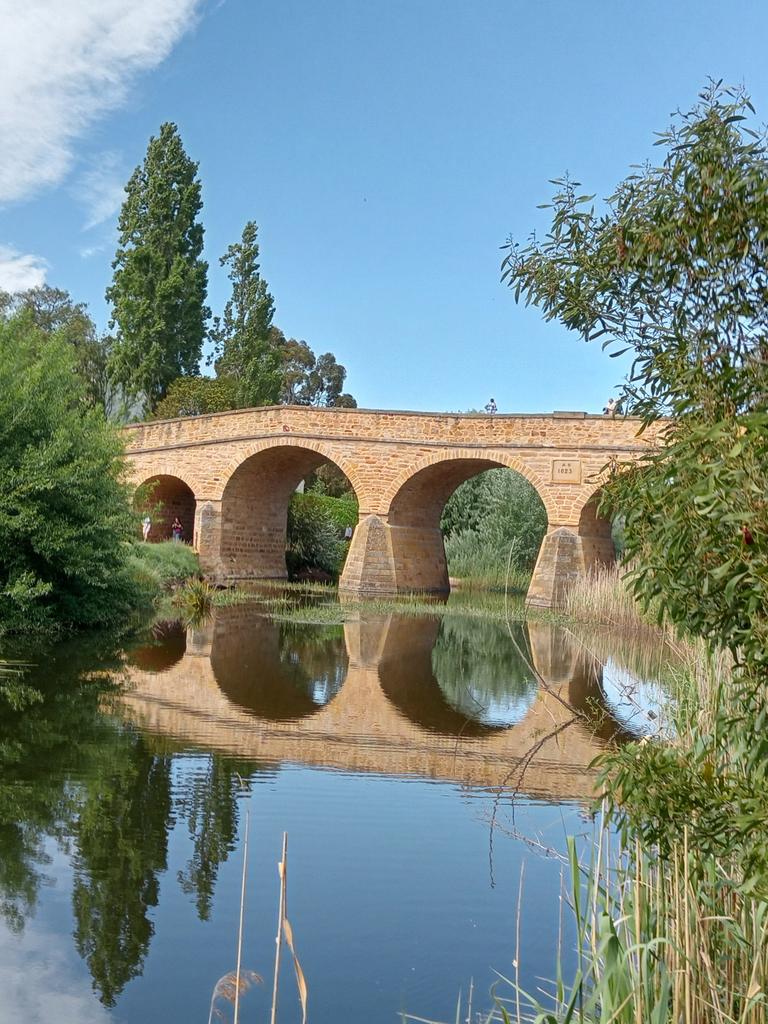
(280, 919)
(284, 930)
(242, 914)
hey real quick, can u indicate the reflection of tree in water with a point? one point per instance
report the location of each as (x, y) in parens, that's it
(313, 655)
(72, 774)
(42, 738)
(121, 838)
(209, 804)
(481, 672)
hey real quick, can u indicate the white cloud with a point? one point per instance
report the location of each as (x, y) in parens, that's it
(19, 272)
(40, 983)
(91, 250)
(101, 188)
(64, 64)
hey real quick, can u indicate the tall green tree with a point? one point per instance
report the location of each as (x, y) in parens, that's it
(159, 284)
(244, 344)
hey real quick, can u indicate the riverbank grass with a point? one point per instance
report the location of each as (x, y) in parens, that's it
(167, 563)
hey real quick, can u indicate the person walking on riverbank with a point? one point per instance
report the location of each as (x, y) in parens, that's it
(146, 526)
(177, 530)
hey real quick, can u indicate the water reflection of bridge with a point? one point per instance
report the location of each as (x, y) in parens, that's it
(370, 701)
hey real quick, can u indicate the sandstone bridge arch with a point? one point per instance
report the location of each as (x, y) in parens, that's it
(241, 468)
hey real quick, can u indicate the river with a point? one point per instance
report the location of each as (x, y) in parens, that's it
(426, 769)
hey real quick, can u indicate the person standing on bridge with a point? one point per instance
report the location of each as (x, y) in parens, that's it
(491, 406)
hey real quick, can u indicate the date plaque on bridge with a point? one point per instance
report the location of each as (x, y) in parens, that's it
(566, 471)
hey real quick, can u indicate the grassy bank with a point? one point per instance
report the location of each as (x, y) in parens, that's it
(161, 566)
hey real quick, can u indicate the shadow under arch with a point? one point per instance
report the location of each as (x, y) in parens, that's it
(168, 647)
(596, 532)
(415, 512)
(415, 676)
(276, 671)
(166, 498)
(254, 506)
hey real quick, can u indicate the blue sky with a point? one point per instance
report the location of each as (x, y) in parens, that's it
(385, 150)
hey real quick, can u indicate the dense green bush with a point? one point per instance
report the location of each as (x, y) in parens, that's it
(342, 511)
(489, 518)
(64, 511)
(316, 525)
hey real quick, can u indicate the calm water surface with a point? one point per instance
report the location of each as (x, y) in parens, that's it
(417, 764)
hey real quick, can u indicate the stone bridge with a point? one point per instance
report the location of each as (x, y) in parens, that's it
(230, 689)
(229, 478)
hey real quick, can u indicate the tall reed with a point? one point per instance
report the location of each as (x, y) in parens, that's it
(654, 946)
(602, 597)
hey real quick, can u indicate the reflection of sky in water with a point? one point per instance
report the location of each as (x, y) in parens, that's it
(324, 685)
(484, 674)
(640, 705)
(498, 709)
(321, 691)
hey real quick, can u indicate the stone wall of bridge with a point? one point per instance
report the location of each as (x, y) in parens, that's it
(243, 466)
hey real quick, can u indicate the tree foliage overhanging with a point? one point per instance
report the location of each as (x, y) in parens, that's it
(674, 267)
(64, 510)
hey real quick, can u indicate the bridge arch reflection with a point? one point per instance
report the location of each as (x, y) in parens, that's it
(276, 671)
(374, 698)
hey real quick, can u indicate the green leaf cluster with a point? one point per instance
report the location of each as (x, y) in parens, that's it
(53, 311)
(315, 526)
(195, 396)
(674, 268)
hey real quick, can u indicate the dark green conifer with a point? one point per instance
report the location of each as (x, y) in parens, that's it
(159, 284)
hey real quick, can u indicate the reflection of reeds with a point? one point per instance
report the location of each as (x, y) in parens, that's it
(236, 983)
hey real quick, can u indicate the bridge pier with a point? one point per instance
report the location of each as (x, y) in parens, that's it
(566, 554)
(208, 537)
(386, 560)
